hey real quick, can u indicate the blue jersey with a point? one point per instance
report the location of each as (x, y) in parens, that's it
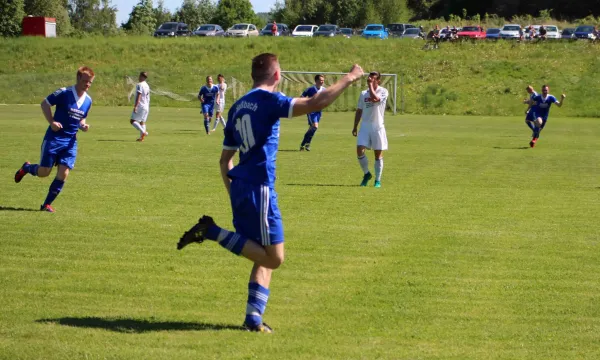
(312, 91)
(70, 110)
(542, 107)
(208, 94)
(253, 128)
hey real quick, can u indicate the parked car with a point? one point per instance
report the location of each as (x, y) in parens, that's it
(172, 29)
(327, 30)
(347, 32)
(209, 30)
(585, 32)
(471, 32)
(552, 32)
(398, 29)
(492, 33)
(282, 29)
(510, 31)
(242, 30)
(375, 31)
(304, 30)
(412, 33)
(568, 33)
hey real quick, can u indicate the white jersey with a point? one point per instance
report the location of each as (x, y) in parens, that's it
(144, 93)
(373, 112)
(222, 90)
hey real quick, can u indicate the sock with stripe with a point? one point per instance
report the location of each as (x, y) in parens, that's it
(364, 163)
(53, 191)
(231, 241)
(378, 169)
(258, 296)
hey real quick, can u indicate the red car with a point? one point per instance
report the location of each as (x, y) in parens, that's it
(471, 32)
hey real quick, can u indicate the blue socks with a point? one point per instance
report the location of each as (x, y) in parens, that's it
(31, 169)
(309, 135)
(231, 241)
(206, 125)
(258, 296)
(54, 190)
(530, 125)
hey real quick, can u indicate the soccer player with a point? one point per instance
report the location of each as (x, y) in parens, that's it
(141, 106)
(371, 109)
(542, 105)
(530, 112)
(60, 142)
(313, 118)
(253, 129)
(207, 95)
(220, 101)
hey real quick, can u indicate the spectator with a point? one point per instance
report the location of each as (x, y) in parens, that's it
(543, 33)
(274, 29)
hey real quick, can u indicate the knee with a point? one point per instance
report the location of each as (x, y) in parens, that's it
(315, 126)
(43, 171)
(275, 262)
(131, 121)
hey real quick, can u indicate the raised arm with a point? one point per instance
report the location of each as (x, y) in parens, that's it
(322, 99)
(562, 100)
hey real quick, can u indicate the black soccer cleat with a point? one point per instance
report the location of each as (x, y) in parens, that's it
(197, 233)
(263, 328)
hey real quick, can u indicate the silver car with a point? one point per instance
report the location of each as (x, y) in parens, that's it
(209, 30)
(412, 33)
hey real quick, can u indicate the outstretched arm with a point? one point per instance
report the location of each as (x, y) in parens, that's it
(562, 100)
(226, 164)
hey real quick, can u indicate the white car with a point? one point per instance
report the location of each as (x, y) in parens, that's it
(510, 31)
(304, 30)
(552, 31)
(242, 30)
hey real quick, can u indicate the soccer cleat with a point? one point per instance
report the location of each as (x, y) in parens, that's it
(263, 328)
(301, 147)
(366, 179)
(196, 233)
(377, 183)
(21, 173)
(47, 208)
(142, 137)
(307, 147)
(532, 142)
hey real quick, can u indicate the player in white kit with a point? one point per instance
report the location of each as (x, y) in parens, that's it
(141, 106)
(220, 102)
(371, 109)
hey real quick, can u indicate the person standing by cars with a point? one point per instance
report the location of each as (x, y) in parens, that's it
(274, 29)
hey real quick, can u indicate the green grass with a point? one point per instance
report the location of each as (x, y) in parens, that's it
(476, 247)
(461, 79)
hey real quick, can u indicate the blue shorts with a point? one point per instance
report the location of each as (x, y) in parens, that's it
(255, 212)
(59, 152)
(313, 118)
(207, 109)
(530, 116)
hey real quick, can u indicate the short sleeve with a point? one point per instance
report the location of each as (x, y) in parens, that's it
(384, 95)
(304, 93)
(554, 99)
(200, 91)
(229, 142)
(361, 102)
(56, 97)
(138, 88)
(284, 106)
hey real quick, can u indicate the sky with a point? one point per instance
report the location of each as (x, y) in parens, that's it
(124, 7)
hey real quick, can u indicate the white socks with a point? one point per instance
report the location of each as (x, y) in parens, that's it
(138, 127)
(217, 121)
(364, 163)
(378, 169)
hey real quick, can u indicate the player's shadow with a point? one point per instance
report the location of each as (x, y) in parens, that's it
(137, 326)
(111, 140)
(511, 148)
(288, 150)
(324, 185)
(10, 208)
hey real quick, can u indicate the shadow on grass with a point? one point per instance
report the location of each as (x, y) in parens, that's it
(326, 185)
(136, 325)
(288, 150)
(512, 148)
(10, 208)
(111, 140)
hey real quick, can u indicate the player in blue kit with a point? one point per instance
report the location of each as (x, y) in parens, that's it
(541, 107)
(253, 130)
(315, 117)
(530, 112)
(207, 96)
(60, 142)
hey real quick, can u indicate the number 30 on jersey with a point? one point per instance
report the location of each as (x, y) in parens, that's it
(243, 126)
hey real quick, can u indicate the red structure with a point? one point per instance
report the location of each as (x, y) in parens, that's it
(39, 26)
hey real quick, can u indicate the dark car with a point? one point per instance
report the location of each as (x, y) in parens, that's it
(347, 32)
(585, 32)
(282, 29)
(209, 30)
(172, 29)
(327, 31)
(398, 29)
(492, 33)
(568, 33)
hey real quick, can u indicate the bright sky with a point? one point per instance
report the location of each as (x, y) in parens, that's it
(124, 7)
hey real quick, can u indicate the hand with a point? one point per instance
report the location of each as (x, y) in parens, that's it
(354, 132)
(135, 109)
(356, 73)
(563, 96)
(56, 126)
(84, 127)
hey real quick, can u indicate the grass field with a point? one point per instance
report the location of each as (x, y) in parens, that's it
(476, 247)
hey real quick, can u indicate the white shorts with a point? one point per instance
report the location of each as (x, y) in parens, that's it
(372, 139)
(141, 115)
(221, 107)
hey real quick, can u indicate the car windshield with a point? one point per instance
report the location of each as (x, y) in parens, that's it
(411, 31)
(326, 28)
(168, 26)
(586, 29)
(269, 27)
(470, 28)
(206, 28)
(493, 31)
(552, 28)
(240, 27)
(568, 31)
(346, 31)
(511, 28)
(374, 28)
(304, 28)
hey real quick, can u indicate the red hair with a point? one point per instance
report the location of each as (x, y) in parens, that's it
(85, 70)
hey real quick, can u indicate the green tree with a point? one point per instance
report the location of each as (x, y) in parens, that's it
(51, 8)
(161, 14)
(230, 12)
(141, 19)
(93, 16)
(11, 16)
(195, 12)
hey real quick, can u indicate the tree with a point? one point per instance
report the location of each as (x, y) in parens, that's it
(195, 12)
(93, 16)
(141, 19)
(51, 8)
(230, 12)
(11, 16)
(161, 15)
